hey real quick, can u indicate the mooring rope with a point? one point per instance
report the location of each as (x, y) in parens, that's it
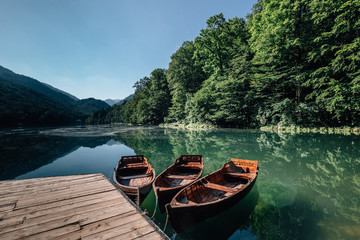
(156, 203)
(166, 222)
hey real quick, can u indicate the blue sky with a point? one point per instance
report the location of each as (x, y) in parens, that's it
(93, 48)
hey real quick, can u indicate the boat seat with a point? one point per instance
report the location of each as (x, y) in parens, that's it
(220, 187)
(135, 176)
(135, 165)
(191, 164)
(181, 176)
(241, 175)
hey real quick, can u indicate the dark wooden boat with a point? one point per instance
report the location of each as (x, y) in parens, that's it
(185, 170)
(134, 176)
(212, 194)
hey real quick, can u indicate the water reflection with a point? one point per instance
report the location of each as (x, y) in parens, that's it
(308, 185)
(21, 154)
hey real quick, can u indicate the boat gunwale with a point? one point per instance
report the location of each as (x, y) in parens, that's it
(176, 204)
(151, 176)
(174, 165)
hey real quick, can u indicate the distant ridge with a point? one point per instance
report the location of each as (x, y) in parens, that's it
(36, 85)
(112, 102)
(27, 101)
(61, 91)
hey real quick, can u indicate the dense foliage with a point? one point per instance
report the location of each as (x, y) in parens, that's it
(293, 62)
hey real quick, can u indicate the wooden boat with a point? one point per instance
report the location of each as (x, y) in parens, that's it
(134, 176)
(185, 170)
(212, 194)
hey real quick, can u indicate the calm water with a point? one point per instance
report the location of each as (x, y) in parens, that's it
(308, 185)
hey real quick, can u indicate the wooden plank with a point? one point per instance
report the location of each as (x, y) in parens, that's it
(78, 207)
(73, 193)
(150, 236)
(69, 207)
(4, 207)
(247, 176)
(54, 232)
(119, 230)
(220, 187)
(33, 227)
(72, 201)
(19, 222)
(135, 176)
(45, 189)
(181, 176)
(110, 223)
(135, 232)
(49, 186)
(9, 183)
(96, 227)
(50, 192)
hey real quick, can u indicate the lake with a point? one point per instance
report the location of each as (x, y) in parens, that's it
(308, 185)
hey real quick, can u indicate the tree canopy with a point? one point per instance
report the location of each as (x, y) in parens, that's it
(291, 62)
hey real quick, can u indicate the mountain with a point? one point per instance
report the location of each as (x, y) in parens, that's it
(90, 105)
(27, 101)
(61, 91)
(112, 102)
(36, 85)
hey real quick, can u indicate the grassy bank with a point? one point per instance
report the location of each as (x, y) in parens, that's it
(198, 126)
(322, 130)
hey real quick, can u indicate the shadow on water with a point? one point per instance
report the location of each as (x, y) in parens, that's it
(226, 223)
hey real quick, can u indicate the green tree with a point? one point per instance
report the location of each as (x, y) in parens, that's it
(281, 36)
(183, 78)
(215, 43)
(159, 96)
(336, 55)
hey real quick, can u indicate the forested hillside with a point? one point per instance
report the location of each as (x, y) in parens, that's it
(26, 101)
(291, 62)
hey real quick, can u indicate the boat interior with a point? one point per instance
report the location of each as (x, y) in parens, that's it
(184, 171)
(179, 176)
(133, 171)
(213, 188)
(233, 177)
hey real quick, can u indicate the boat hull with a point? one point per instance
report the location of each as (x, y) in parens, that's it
(136, 194)
(182, 218)
(166, 188)
(134, 176)
(164, 195)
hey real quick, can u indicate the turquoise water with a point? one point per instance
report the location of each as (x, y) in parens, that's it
(308, 185)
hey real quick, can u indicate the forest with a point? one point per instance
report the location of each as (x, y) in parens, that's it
(290, 62)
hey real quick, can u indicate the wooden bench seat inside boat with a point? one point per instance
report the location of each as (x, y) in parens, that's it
(191, 165)
(240, 175)
(181, 176)
(220, 187)
(135, 176)
(135, 165)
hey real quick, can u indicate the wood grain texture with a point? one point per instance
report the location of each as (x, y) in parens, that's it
(70, 207)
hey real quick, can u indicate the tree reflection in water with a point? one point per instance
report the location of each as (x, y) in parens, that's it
(308, 184)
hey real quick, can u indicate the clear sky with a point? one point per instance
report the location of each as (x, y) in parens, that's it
(100, 48)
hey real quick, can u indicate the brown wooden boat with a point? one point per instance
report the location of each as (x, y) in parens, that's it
(212, 194)
(185, 170)
(134, 176)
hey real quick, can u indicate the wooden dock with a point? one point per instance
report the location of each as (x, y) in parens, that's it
(71, 207)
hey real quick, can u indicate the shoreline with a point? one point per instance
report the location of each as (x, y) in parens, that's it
(275, 129)
(322, 130)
